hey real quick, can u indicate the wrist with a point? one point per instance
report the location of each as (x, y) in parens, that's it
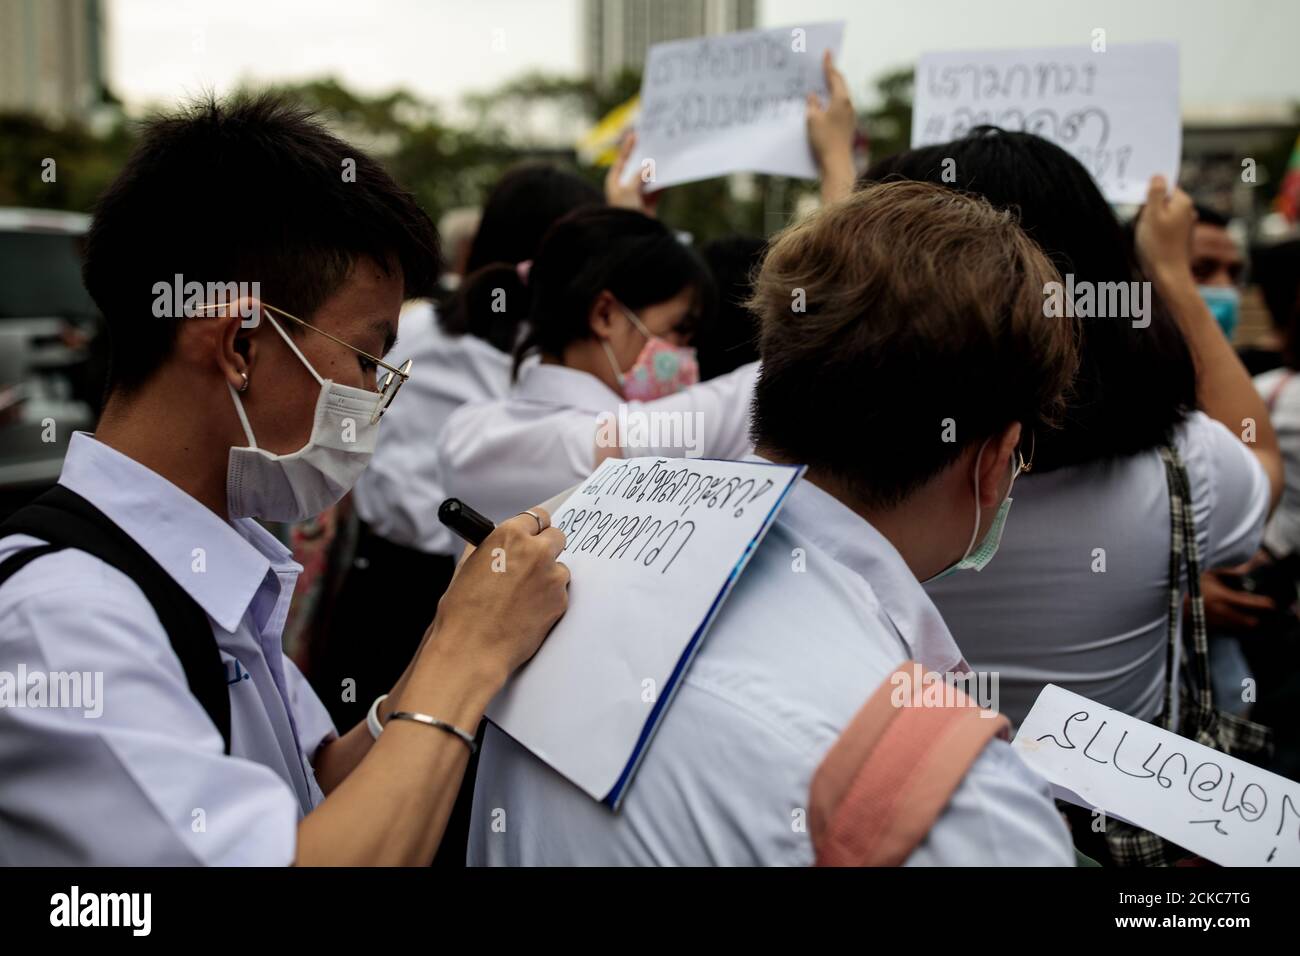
(1173, 278)
(452, 681)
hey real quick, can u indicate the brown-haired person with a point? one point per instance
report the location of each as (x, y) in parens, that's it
(866, 368)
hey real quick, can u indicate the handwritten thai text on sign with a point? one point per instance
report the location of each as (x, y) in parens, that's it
(1214, 805)
(1115, 111)
(722, 104)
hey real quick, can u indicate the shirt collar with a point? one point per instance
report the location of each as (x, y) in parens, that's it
(220, 564)
(850, 539)
(561, 385)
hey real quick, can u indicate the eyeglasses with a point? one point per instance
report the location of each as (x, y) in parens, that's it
(391, 382)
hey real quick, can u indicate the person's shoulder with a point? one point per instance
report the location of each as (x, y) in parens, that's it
(800, 644)
(1001, 814)
(1209, 448)
(66, 586)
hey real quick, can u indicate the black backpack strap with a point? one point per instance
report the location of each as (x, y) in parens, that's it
(19, 560)
(67, 520)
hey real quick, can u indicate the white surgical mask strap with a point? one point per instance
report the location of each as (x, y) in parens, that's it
(613, 362)
(243, 416)
(636, 322)
(289, 342)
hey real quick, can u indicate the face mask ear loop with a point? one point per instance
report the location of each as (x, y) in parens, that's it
(243, 416)
(289, 342)
(637, 323)
(975, 533)
(613, 363)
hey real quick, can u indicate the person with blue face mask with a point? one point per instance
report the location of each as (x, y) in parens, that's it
(1217, 267)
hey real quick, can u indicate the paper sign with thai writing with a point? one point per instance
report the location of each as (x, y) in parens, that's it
(734, 103)
(1113, 109)
(654, 545)
(1217, 806)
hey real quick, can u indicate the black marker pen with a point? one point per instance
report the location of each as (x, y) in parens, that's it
(465, 521)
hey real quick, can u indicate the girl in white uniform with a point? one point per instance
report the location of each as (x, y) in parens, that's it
(613, 298)
(1079, 592)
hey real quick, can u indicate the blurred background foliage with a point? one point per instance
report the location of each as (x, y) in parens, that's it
(446, 164)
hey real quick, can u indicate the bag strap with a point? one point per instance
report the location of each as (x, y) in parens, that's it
(886, 780)
(65, 519)
(1198, 710)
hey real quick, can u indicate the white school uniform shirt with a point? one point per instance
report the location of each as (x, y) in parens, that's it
(504, 456)
(1280, 387)
(146, 782)
(726, 780)
(1078, 594)
(399, 493)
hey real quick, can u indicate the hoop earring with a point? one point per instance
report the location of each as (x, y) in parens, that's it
(244, 387)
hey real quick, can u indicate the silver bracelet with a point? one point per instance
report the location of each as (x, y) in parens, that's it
(467, 739)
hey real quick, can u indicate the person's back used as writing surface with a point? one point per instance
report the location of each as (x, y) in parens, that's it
(790, 659)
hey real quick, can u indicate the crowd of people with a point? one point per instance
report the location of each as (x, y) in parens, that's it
(895, 341)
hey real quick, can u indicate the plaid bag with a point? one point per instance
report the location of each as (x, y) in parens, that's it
(1198, 719)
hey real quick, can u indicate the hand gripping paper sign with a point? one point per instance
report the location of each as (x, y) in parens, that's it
(1219, 807)
(654, 546)
(733, 103)
(1115, 109)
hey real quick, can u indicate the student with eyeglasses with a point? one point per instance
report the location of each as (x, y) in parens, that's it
(144, 577)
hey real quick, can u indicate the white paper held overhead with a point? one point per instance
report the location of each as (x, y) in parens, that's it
(1116, 110)
(734, 103)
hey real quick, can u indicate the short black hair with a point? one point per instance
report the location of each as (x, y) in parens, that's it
(1211, 217)
(254, 188)
(524, 203)
(730, 339)
(639, 260)
(1133, 384)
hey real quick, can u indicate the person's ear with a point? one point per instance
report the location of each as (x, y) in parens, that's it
(238, 341)
(603, 315)
(995, 467)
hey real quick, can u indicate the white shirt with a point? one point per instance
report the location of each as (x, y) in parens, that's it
(399, 493)
(1280, 387)
(146, 782)
(504, 456)
(789, 661)
(1044, 612)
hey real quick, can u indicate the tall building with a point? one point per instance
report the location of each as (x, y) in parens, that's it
(52, 57)
(617, 33)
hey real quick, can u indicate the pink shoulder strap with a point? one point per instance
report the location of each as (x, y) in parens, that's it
(890, 774)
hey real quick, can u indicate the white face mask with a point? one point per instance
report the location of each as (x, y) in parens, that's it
(299, 486)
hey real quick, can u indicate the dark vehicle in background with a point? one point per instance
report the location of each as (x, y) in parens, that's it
(51, 351)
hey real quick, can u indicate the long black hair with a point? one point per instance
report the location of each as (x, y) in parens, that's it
(1133, 384)
(635, 258)
(524, 203)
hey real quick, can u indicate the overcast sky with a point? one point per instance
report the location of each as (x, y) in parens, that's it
(1232, 51)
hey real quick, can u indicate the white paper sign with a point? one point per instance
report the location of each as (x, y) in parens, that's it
(1217, 806)
(733, 103)
(1115, 111)
(654, 546)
